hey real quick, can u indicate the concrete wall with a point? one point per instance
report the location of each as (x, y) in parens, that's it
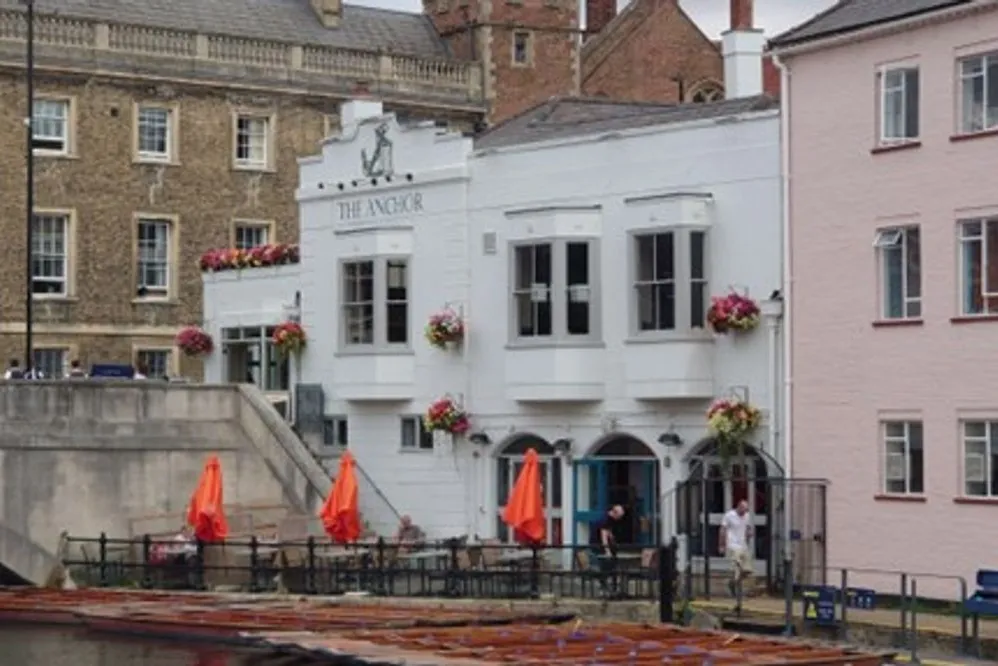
(87, 456)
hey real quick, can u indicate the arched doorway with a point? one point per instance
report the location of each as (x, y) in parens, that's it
(715, 484)
(619, 469)
(509, 462)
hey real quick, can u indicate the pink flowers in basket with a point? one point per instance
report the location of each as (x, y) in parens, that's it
(232, 259)
(445, 415)
(444, 327)
(289, 337)
(733, 312)
(194, 341)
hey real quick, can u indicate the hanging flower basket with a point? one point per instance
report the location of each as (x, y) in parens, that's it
(289, 338)
(731, 421)
(443, 328)
(194, 341)
(445, 415)
(232, 259)
(733, 312)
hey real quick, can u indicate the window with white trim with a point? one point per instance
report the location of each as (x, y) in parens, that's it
(670, 278)
(50, 126)
(252, 138)
(980, 458)
(50, 362)
(153, 363)
(904, 458)
(978, 242)
(250, 357)
(900, 258)
(335, 432)
(414, 436)
(249, 236)
(154, 257)
(899, 104)
(979, 93)
(153, 128)
(554, 291)
(49, 254)
(375, 303)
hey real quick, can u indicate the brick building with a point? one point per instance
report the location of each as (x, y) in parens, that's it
(161, 134)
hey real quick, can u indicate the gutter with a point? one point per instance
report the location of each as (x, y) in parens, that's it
(883, 29)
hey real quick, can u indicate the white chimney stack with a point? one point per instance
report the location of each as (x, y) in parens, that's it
(742, 47)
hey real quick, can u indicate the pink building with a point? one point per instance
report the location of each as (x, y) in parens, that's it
(891, 117)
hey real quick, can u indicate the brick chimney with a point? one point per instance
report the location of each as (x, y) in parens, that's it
(328, 12)
(742, 47)
(598, 14)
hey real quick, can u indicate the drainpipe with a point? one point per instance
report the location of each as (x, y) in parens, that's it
(772, 311)
(788, 422)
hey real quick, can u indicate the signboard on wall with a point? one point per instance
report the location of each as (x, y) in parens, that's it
(310, 406)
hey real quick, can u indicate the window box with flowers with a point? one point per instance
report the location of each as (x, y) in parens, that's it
(732, 421)
(289, 338)
(444, 328)
(445, 415)
(233, 259)
(733, 312)
(194, 341)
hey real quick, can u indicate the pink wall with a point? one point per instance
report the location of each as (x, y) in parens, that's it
(848, 374)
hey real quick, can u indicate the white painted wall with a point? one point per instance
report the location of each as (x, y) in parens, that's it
(576, 187)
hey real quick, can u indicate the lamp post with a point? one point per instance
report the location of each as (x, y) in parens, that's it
(29, 206)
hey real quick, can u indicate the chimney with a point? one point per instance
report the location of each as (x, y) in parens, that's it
(742, 46)
(328, 12)
(598, 14)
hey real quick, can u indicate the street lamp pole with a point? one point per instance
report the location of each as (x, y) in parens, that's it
(29, 207)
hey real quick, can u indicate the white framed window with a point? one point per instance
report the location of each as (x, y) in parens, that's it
(522, 48)
(670, 281)
(980, 458)
(153, 254)
(154, 133)
(413, 436)
(904, 458)
(899, 104)
(900, 258)
(252, 142)
(335, 432)
(50, 254)
(978, 242)
(250, 357)
(979, 93)
(249, 235)
(375, 303)
(554, 291)
(50, 126)
(50, 362)
(153, 363)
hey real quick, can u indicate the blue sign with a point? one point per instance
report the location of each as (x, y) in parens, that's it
(111, 371)
(819, 605)
(861, 597)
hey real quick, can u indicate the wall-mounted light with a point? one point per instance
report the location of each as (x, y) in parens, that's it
(480, 438)
(670, 439)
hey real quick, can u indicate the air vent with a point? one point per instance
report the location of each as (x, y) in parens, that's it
(489, 242)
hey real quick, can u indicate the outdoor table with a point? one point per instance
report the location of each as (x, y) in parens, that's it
(423, 556)
(516, 557)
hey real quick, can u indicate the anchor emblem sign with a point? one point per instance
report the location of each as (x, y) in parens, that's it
(379, 164)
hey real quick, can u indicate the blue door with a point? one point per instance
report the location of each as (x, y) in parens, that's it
(589, 496)
(648, 504)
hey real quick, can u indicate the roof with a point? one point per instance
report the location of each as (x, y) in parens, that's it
(851, 15)
(566, 117)
(290, 21)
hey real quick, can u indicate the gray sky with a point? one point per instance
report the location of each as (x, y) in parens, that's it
(774, 16)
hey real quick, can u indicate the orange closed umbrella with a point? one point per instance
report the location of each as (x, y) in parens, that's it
(340, 515)
(524, 511)
(206, 514)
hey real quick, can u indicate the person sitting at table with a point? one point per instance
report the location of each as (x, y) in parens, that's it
(604, 537)
(409, 535)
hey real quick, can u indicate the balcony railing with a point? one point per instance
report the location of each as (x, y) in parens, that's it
(118, 45)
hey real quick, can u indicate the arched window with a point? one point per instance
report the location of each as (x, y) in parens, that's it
(508, 466)
(706, 92)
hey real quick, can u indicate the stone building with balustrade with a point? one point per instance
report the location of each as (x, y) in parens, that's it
(160, 134)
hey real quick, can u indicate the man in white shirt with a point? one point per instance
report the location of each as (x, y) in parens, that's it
(736, 535)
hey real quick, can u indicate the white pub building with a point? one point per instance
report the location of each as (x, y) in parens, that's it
(580, 243)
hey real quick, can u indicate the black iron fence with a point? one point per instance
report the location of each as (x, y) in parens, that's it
(453, 568)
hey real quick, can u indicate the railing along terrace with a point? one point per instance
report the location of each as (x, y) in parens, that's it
(132, 48)
(450, 568)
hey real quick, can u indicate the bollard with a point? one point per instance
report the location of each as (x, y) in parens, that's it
(844, 604)
(667, 582)
(310, 586)
(913, 637)
(146, 553)
(102, 554)
(254, 562)
(788, 597)
(535, 567)
(380, 587)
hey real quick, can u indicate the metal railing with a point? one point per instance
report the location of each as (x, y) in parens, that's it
(449, 568)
